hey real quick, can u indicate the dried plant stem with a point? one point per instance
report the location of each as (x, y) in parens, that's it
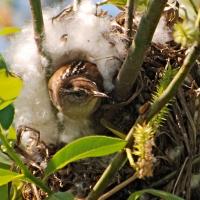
(18, 161)
(119, 187)
(129, 21)
(133, 62)
(170, 91)
(163, 181)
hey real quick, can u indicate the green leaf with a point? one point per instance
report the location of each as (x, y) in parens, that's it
(6, 116)
(61, 196)
(9, 30)
(157, 193)
(10, 87)
(7, 176)
(3, 64)
(110, 127)
(4, 192)
(91, 146)
(118, 3)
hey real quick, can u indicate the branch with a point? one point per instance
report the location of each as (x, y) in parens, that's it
(38, 23)
(129, 21)
(120, 158)
(131, 66)
(39, 33)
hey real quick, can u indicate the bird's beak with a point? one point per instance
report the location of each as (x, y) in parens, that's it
(100, 94)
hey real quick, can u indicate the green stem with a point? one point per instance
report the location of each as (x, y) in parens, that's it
(23, 167)
(39, 32)
(129, 21)
(38, 23)
(132, 65)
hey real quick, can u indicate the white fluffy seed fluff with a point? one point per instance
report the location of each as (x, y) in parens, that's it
(84, 38)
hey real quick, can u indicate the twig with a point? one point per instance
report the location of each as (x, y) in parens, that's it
(180, 173)
(23, 167)
(163, 181)
(118, 187)
(129, 21)
(193, 135)
(120, 158)
(133, 62)
(35, 191)
(180, 121)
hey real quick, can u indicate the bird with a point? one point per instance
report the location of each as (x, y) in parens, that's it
(76, 90)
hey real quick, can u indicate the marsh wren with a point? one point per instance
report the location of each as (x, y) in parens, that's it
(76, 89)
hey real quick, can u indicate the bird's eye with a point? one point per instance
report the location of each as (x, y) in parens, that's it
(80, 94)
(75, 96)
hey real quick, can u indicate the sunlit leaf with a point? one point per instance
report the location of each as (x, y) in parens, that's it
(91, 146)
(118, 3)
(61, 196)
(108, 125)
(11, 133)
(10, 87)
(6, 116)
(9, 30)
(158, 193)
(7, 176)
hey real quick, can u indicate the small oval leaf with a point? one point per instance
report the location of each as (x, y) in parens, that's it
(90, 146)
(61, 196)
(158, 193)
(7, 176)
(6, 116)
(10, 87)
(118, 3)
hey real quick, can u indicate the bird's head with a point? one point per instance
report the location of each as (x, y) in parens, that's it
(76, 97)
